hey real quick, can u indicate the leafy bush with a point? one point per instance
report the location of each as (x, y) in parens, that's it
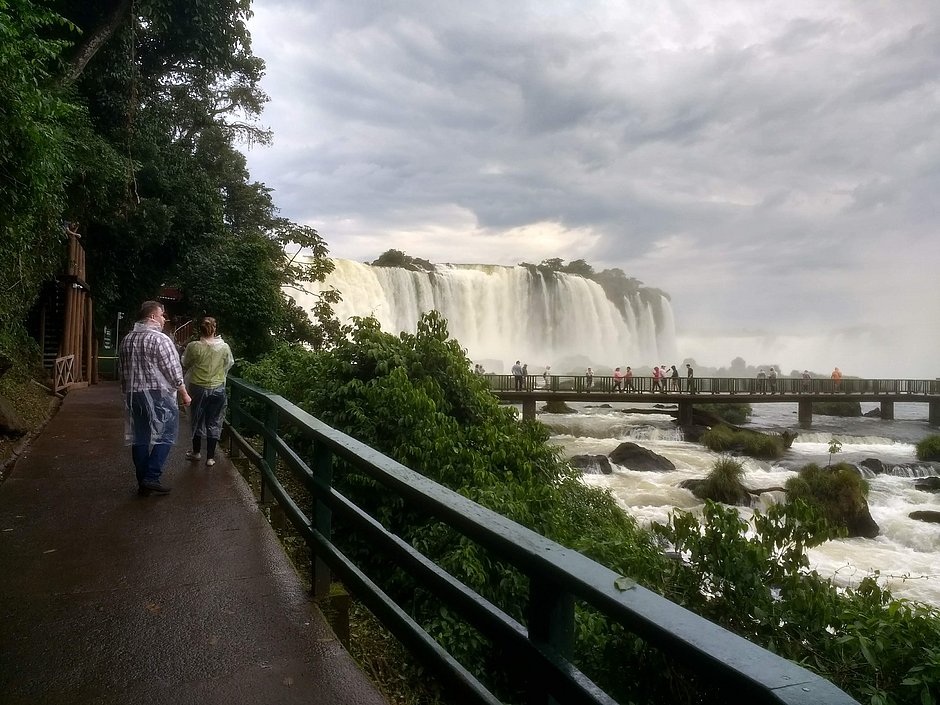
(837, 492)
(929, 448)
(759, 584)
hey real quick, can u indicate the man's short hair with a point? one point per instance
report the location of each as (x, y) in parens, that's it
(148, 308)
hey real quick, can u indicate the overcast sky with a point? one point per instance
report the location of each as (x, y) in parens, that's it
(774, 166)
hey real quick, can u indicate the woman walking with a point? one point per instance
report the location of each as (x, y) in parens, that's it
(206, 362)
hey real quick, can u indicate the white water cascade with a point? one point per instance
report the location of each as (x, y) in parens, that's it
(501, 314)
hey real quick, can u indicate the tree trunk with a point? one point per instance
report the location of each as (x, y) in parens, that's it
(94, 39)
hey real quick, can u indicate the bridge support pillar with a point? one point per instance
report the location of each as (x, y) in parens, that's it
(528, 409)
(887, 410)
(934, 413)
(805, 413)
(685, 413)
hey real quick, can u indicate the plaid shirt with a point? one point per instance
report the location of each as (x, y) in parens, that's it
(149, 360)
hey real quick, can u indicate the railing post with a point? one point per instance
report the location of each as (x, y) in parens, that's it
(322, 520)
(269, 453)
(551, 622)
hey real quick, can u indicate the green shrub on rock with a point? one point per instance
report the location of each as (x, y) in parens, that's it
(723, 439)
(929, 448)
(838, 493)
(723, 483)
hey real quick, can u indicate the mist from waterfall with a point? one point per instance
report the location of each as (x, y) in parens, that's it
(501, 314)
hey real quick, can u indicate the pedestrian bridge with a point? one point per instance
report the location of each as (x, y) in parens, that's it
(718, 390)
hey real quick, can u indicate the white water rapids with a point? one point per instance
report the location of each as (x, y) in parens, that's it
(501, 314)
(907, 551)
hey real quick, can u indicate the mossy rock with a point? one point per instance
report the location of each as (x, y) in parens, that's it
(557, 407)
(725, 439)
(837, 408)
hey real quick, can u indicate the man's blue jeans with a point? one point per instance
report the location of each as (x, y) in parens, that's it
(155, 423)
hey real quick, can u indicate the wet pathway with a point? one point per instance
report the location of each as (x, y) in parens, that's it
(107, 597)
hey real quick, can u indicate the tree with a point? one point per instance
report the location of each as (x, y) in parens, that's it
(580, 268)
(164, 197)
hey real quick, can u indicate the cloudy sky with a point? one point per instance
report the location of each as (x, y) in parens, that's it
(774, 166)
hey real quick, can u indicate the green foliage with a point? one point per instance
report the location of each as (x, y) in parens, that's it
(35, 153)
(397, 258)
(834, 447)
(723, 439)
(731, 413)
(414, 398)
(929, 448)
(837, 493)
(724, 482)
(759, 584)
(125, 117)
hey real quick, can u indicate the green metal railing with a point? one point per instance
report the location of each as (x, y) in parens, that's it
(540, 650)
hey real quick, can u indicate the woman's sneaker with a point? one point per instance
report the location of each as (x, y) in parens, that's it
(210, 462)
(193, 456)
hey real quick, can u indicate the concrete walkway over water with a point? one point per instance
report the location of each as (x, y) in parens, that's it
(107, 597)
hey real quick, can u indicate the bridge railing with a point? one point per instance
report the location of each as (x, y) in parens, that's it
(714, 385)
(539, 652)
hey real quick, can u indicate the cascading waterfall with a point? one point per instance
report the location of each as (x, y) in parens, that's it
(501, 314)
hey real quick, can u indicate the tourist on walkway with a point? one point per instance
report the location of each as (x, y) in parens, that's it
(206, 362)
(772, 379)
(517, 376)
(589, 382)
(628, 379)
(836, 379)
(151, 377)
(806, 380)
(690, 375)
(675, 379)
(657, 378)
(761, 381)
(618, 380)
(545, 375)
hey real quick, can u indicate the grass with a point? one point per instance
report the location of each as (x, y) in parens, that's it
(723, 483)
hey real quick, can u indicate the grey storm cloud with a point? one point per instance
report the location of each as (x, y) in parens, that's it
(776, 145)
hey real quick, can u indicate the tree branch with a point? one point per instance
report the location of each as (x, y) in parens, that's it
(94, 40)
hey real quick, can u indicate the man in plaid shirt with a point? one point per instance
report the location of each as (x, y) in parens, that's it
(151, 377)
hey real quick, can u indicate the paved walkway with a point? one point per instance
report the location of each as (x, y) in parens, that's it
(107, 597)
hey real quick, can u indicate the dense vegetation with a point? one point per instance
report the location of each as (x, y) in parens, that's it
(929, 448)
(124, 118)
(415, 398)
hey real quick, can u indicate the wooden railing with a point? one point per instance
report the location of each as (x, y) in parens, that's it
(539, 652)
(62, 373)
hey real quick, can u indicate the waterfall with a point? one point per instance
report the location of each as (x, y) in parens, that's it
(502, 314)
